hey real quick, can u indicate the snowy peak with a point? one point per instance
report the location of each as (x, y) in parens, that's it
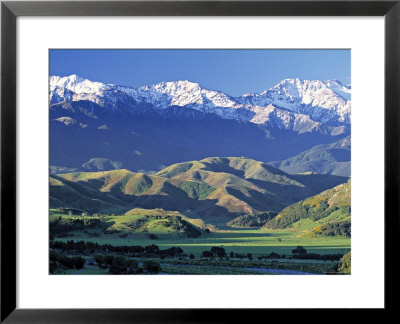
(327, 102)
(176, 88)
(290, 102)
(175, 93)
(309, 92)
(75, 88)
(77, 84)
(184, 93)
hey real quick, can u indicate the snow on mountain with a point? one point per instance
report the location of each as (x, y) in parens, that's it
(290, 103)
(180, 93)
(75, 88)
(322, 101)
(339, 88)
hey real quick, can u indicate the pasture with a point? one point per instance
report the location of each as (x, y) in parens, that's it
(243, 241)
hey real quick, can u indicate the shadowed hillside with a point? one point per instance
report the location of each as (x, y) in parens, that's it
(325, 158)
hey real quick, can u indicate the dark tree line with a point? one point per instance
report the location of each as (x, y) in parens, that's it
(58, 261)
(88, 248)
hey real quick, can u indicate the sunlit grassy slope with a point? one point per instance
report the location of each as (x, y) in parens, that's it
(328, 212)
(213, 189)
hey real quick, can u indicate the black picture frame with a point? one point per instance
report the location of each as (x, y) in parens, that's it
(10, 10)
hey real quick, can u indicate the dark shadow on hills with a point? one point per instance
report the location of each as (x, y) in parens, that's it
(257, 199)
(77, 195)
(205, 209)
(320, 182)
(222, 165)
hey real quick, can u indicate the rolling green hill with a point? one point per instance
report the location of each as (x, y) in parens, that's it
(145, 222)
(214, 189)
(328, 213)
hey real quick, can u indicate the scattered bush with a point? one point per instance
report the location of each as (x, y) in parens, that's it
(218, 251)
(151, 267)
(207, 254)
(299, 251)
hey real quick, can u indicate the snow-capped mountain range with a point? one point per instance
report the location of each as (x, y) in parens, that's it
(291, 104)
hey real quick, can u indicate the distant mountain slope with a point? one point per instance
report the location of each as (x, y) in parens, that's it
(327, 213)
(332, 158)
(215, 189)
(149, 140)
(96, 126)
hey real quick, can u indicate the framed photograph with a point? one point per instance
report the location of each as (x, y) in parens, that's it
(164, 158)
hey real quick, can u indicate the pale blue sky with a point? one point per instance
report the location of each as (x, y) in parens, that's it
(234, 72)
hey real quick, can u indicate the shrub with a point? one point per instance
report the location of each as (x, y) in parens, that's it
(151, 248)
(299, 250)
(78, 262)
(219, 251)
(99, 259)
(151, 267)
(207, 254)
(108, 260)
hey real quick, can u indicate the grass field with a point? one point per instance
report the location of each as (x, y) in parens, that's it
(148, 227)
(243, 241)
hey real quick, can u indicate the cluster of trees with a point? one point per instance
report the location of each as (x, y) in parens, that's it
(89, 248)
(272, 255)
(345, 264)
(118, 264)
(336, 228)
(60, 224)
(182, 227)
(299, 250)
(302, 254)
(215, 251)
(58, 261)
(252, 220)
